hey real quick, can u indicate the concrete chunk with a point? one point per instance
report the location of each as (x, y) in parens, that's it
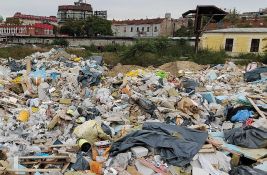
(143, 169)
(139, 151)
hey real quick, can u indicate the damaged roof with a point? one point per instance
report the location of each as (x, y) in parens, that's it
(239, 30)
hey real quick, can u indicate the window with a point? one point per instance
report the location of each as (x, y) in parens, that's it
(131, 29)
(255, 43)
(147, 29)
(124, 30)
(137, 29)
(143, 29)
(155, 29)
(229, 42)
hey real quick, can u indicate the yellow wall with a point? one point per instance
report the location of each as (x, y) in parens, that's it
(242, 41)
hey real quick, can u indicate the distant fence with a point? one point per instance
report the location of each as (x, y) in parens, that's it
(77, 41)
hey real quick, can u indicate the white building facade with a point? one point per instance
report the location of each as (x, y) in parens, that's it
(148, 27)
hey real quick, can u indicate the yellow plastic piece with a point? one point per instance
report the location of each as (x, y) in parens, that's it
(34, 109)
(77, 59)
(17, 80)
(24, 116)
(135, 73)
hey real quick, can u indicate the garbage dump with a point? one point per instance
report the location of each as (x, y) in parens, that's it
(61, 114)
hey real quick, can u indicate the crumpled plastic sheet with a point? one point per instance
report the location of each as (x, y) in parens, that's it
(248, 137)
(176, 145)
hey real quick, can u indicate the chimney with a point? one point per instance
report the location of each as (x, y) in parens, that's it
(168, 16)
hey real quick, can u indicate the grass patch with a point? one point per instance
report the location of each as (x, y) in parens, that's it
(20, 52)
(79, 52)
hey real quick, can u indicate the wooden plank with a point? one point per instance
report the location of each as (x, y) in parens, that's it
(207, 146)
(256, 107)
(257, 97)
(34, 170)
(44, 157)
(209, 150)
(63, 145)
(28, 66)
(43, 162)
(65, 167)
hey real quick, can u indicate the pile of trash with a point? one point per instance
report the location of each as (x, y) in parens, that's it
(62, 114)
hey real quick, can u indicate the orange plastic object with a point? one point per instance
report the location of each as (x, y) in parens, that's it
(96, 167)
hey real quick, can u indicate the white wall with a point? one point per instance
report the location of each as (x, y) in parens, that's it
(131, 30)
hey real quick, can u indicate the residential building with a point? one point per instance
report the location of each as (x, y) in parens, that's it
(147, 27)
(26, 30)
(236, 40)
(78, 11)
(101, 14)
(32, 19)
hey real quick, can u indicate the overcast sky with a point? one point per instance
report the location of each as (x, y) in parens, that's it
(127, 9)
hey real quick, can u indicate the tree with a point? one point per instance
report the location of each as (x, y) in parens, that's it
(92, 26)
(60, 42)
(73, 28)
(13, 21)
(232, 16)
(95, 26)
(184, 32)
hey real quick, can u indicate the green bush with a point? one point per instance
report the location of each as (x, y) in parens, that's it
(60, 42)
(91, 48)
(244, 59)
(209, 57)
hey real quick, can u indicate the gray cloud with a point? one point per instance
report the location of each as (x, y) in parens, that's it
(126, 9)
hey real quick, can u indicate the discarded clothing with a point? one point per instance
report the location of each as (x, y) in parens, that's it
(81, 164)
(248, 137)
(90, 131)
(241, 116)
(148, 106)
(245, 170)
(14, 66)
(177, 145)
(88, 78)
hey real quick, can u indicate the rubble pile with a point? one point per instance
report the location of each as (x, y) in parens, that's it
(61, 114)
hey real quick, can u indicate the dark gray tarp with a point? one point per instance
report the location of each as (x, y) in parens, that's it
(248, 137)
(245, 170)
(177, 145)
(255, 74)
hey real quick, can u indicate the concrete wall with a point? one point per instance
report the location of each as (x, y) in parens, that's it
(242, 41)
(72, 41)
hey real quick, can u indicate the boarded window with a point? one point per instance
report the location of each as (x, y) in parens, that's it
(255, 44)
(229, 42)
